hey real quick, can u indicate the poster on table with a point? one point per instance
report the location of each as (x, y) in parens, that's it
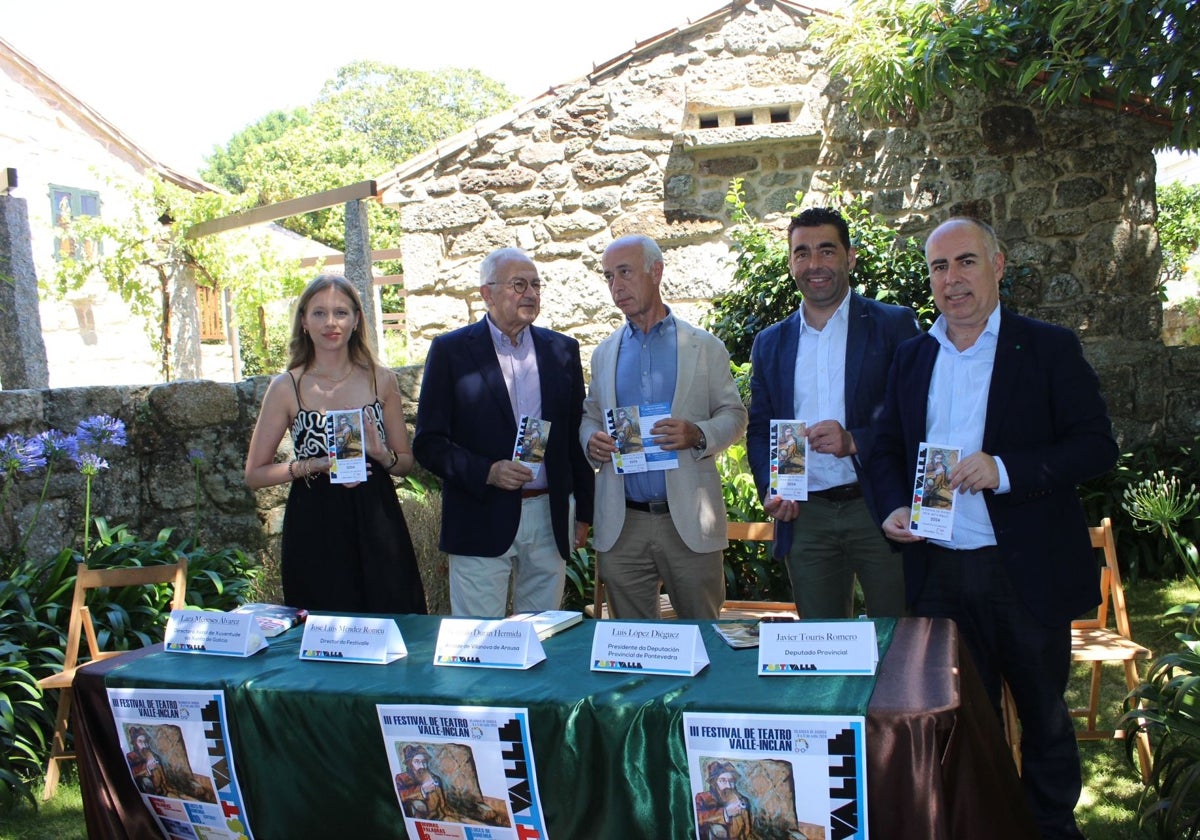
(777, 775)
(177, 748)
(463, 772)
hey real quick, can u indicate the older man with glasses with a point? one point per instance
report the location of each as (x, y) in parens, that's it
(501, 521)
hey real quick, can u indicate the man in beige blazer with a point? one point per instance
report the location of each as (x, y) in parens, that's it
(666, 525)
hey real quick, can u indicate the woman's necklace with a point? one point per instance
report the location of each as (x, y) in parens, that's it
(333, 379)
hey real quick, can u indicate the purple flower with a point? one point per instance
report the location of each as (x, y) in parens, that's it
(90, 464)
(20, 455)
(99, 430)
(58, 446)
(196, 456)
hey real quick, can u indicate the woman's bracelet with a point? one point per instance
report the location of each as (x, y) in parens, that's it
(292, 469)
(395, 458)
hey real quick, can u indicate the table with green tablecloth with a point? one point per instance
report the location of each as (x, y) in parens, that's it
(608, 747)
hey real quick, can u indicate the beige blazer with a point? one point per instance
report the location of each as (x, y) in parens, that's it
(704, 394)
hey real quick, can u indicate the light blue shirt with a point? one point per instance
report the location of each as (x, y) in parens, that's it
(957, 409)
(518, 364)
(647, 365)
(820, 391)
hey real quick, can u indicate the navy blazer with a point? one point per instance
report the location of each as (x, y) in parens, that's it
(465, 424)
(874, 331)
(1047, 421)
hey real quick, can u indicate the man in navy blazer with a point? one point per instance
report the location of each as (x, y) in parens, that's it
(826, 364)
(500, 520)
(1019, 400)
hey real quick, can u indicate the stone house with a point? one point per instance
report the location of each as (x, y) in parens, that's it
(70, 161)
(649, 141)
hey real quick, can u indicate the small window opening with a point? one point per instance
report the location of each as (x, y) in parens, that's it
(743, 118)
(709, 121)
(780, 115)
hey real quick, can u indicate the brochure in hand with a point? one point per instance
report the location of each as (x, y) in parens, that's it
(347, 458)
(789, 460)
(530, 446)
(274, 619)
(933, 500)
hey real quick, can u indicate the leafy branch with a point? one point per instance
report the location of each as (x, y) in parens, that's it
(1139, 55)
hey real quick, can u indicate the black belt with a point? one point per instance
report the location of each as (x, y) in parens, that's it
(841, 493)
(648, 507)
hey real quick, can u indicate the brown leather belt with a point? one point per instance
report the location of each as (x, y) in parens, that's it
(533, 494)
(841, 493)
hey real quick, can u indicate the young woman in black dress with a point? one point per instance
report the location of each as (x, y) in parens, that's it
(346, 547)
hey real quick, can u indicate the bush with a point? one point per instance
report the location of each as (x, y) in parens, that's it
(35, 604)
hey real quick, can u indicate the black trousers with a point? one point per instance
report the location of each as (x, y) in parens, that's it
(1008, 643)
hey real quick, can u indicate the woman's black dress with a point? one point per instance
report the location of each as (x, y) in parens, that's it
(346, 549)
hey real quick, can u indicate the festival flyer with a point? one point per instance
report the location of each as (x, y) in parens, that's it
(777, 775)
(178, 751)
(789, 460)
(530, 447)
(344, 435)
(630, 427)
(933, 500)
(463, 772)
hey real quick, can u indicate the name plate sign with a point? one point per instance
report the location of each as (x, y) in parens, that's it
(667, 648)
(340, 638)
(825, 648)
(487, 643)
(217, 633)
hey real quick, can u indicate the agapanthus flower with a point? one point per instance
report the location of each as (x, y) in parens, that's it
(100, 430)
(90, 464)
(19, 454)
(58, 446)
(196, 456)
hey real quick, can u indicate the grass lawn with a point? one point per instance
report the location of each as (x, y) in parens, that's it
(1111, 786)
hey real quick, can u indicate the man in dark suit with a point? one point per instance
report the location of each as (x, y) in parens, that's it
(499, 519)
(1019, 400)
(826, 365)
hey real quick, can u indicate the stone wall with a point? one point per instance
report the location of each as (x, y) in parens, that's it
(150, 483)
(650, 143)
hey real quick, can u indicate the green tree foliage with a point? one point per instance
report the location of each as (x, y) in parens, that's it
(365, 121)
(1141, 55)
(225, 165)
(887, 268)
(400, 112)
(1178, 228)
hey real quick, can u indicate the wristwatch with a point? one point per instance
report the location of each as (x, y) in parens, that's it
(703, 444)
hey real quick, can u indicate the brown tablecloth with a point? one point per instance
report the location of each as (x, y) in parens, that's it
(937, 764)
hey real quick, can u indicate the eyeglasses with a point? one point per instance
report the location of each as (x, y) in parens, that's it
(521, 285)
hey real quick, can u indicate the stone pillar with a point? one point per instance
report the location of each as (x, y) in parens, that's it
(358, 266)
(22, 351)
(185, 326)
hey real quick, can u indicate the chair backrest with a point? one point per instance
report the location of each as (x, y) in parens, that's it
(86, 579)
(1112, 593)
(753, 531)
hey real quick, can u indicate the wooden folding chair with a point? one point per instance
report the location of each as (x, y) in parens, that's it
(748, 531)
(80, 624)
(1094, 641)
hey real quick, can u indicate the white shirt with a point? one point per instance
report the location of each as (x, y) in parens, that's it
(957, 409)
(820, 391)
